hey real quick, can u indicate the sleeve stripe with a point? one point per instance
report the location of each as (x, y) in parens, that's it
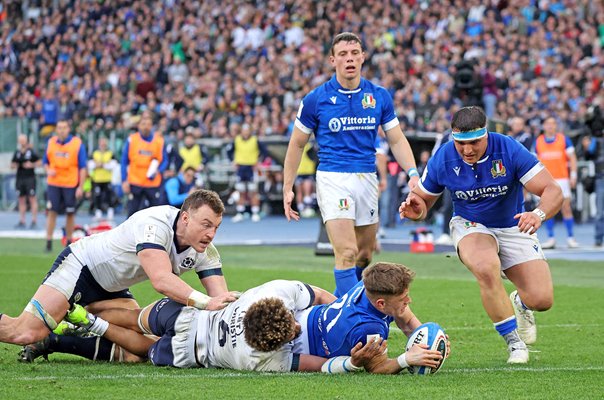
(142, 246)
(209, 272)
(419, 183)
(302, 127)
(312, 295)
(391, 124)
(295, 362)
(344, 365)
(531, 173)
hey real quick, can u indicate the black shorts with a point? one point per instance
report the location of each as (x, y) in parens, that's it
(76, 282)
(26, 186)
(61, 199)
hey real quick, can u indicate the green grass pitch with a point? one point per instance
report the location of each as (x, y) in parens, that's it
(566, 362)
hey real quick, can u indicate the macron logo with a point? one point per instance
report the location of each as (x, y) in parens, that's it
(456, 170)
(333, 99)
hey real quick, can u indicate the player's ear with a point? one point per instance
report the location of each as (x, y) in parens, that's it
(332, 61)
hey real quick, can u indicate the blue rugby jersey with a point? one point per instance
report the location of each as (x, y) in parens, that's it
(345, 123)
(334, 329)
(488, 192)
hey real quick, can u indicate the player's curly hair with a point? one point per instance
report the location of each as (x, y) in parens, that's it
(203, 197)
(387, 279)
(268, 325)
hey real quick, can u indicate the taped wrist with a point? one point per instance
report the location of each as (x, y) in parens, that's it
(198, 300)
(402, 361)
(339, 365)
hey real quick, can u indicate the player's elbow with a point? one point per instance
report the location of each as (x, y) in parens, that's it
(161, 285)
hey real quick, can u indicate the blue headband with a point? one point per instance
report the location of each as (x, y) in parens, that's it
(470, 135)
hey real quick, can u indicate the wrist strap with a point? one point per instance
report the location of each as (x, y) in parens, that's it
(402, 361)
(198, 300)
(411, 172)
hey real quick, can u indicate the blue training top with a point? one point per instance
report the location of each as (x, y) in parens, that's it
(334, 329)
(488, 192)
(345, 123)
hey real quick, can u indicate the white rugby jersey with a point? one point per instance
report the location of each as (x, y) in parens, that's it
(220, 342)
(111, 256)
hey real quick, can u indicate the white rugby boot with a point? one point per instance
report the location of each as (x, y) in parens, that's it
(527, 328)
(518, 353)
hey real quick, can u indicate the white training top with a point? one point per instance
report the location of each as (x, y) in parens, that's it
(111, 256)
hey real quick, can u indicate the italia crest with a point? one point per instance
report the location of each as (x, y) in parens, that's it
(498, 169)
(368, 100)
(343, 204)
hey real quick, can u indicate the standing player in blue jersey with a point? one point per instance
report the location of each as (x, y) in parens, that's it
(485, 173)
(345, 114)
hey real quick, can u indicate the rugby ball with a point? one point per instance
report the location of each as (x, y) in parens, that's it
(430, 334)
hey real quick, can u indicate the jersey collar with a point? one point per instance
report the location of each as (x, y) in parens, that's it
(336, 85)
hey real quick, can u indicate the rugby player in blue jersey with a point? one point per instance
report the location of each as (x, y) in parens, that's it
(485, 173)
(345, 114)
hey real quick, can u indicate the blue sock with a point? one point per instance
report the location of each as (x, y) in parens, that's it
(569, 223)
(345, 280)
(549, 224)
(92, 348)
(359, 272)
(506, 326)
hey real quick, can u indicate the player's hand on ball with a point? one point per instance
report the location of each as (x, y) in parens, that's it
(222, 300)
(419, 355)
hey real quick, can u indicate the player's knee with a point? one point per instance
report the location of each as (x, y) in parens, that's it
(486, 274)
(363, 259)
(543, 303)
(349, 255)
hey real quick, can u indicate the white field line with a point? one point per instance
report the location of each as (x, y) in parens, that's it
(235, 374)
(488, 327)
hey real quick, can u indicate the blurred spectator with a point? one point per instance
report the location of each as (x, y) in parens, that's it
(25, 160)
(144, 159)
(557, 153)
(65, 162)
(519, 132)
(100, 168)
(246, 152)
(179, 187)
(227, 61)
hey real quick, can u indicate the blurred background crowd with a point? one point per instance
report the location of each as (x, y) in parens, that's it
(209, 68)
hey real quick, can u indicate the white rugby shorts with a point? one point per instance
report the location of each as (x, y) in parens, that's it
(514, 246)
(565, 186)
(346, 195)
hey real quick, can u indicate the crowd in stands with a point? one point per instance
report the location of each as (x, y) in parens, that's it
(212, 66)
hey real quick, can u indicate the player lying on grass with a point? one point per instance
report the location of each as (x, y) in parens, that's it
(158, 244)
(259, 331)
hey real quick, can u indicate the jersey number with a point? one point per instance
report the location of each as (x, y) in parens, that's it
(336, 307)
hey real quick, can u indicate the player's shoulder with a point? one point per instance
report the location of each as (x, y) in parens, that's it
(158, 215)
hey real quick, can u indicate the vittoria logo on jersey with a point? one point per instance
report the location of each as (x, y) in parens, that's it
(469, 224)
(368, 100)
(187, 263)
(475, 194)
(352, 124)
(343, 204)
(498, 169)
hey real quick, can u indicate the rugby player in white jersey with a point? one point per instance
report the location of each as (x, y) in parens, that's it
(158, 244)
